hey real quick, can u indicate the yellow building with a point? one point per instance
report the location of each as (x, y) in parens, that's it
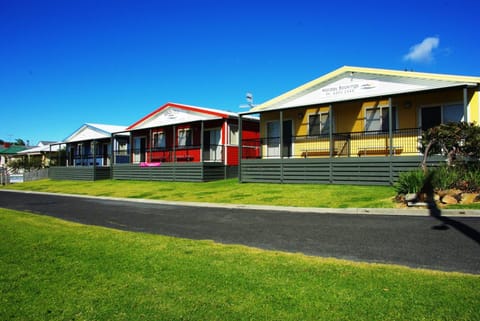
(359, 112)
(358, 120)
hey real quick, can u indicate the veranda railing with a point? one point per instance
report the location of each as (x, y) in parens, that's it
(352, 144)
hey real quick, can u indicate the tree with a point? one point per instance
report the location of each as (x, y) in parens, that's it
(19, 142)
(460, 142)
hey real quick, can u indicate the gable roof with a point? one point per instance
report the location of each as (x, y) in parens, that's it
(52, 146)
(12, 149)
(93, 131)
(349, 83)
(45, 143)
(173, 113)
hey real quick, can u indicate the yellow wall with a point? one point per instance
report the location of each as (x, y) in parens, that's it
(474, 101)
(350, 116)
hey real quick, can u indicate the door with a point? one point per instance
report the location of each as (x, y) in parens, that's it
(106, 159)
(431, 117)
(273, 138)
(212, 142)
(139, 149)
(287, 138)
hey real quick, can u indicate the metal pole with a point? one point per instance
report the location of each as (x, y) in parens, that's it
(330, 129)
(174, 144)
(112, 156)
(240, 148)
(150, 143)
(281, 134)
(131, 148)
(281, 146)
(202, 129)
(330, 137)
(465, 105)
(390, 135)
(202, 169)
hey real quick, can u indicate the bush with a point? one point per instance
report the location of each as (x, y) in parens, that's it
(463, 177)
(445, 177)
(410, 182)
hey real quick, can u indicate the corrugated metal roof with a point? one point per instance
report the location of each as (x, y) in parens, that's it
(349, 83)
(12, 149)
(91, 131)
(173, 113)
(39, 149)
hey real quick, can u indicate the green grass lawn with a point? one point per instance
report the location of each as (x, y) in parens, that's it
(57, 270)
(227, 191)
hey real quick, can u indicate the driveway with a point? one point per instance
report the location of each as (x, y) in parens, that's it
(444, 243)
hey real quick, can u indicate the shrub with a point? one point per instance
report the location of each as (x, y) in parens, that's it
(410, 182)
(445, 177)
(469, 178)
(463, 177)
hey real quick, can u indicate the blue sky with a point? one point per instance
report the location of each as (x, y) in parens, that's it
(65, 63)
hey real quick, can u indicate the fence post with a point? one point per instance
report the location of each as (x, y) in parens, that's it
(390, 138)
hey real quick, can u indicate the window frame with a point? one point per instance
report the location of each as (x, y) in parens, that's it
(233, 137)
(442, 107)
(188, 138)
(324, 126)
(159, 143)
(122, 146)
(383, 127)
(79, 150)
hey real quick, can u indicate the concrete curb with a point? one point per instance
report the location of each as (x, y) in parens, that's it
(317, 210)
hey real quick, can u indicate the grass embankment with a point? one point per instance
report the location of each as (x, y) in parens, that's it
(56, 270)
(227, 191)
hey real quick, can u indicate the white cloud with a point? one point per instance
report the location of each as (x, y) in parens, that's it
(423, 52)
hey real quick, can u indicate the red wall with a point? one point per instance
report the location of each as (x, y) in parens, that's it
(250, 130)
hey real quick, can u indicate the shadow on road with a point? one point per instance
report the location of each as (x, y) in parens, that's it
(459, 226)
(446, 222)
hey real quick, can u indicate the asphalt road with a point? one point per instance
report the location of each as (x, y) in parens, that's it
(448, 244)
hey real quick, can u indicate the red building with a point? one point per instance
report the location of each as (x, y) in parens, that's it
(181, 139)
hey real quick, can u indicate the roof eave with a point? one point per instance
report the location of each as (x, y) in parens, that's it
(290, 95)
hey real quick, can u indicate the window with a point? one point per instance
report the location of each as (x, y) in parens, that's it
(435, 115)
(184, 137)
(318, 124)
(122, 146)
(79, 150)
(431, 117)
(452, 113)
(233, 135)
(159, 140)
(376, 119)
